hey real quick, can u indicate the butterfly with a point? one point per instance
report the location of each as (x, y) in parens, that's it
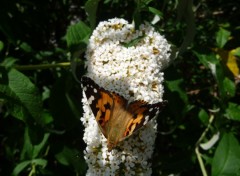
(117, 118)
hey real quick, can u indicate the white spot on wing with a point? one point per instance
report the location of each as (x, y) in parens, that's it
(91, 99)
(95, 90)
(146, 120)
(150, 110)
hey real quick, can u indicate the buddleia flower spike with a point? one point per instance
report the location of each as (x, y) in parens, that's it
(122, 93)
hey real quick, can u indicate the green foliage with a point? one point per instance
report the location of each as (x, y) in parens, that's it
(40, 95)
(222, 37)
(91, 10)
(233, 111)
(23, 99)
(77, 34)
(226, 160)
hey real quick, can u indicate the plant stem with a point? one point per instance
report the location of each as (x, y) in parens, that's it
(42, 66)
(203, 169)
(33, 170)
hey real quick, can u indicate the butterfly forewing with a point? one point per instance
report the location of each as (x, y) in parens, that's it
(100, 101)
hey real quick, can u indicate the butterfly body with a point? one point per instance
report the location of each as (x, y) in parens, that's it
(116, 117)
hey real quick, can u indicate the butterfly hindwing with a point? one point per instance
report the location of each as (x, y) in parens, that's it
(141, 113)
(100, 101)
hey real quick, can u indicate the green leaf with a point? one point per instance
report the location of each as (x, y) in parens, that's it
(175, 86)
(208, 60)
(237, 52)
(20, 167)
(222, 37)
(1, 45)
(226, 160)
(155, 11)
(27, 149)
(91, 10)
(218, 73)
(70, 156)
(40, 162)
(226, 87)
(45, 93)
(37, 149)
(23, 99)
(8, 62)
(25, 47)
(23, 165)
(65, 156)
(77, 34)
(46, 117)
(229, 87)
(233, 111)
(31, 151)
(203, 116)
(133, 42)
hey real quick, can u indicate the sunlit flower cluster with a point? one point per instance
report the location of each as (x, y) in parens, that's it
(128, 62)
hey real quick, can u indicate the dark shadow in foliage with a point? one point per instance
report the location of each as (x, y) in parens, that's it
(3, 76)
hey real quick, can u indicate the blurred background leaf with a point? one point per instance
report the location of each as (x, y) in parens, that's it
(226, 160)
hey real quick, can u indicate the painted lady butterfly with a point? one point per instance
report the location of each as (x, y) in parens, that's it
(117, 118)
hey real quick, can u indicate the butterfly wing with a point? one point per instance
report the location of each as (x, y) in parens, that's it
(100, 101)
(118, 122)
(141, 113)
(116, 118)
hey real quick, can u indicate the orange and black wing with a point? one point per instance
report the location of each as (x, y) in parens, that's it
(100, 101)
(141, 113)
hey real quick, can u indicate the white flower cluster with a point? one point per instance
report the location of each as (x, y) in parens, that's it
(134, 72)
